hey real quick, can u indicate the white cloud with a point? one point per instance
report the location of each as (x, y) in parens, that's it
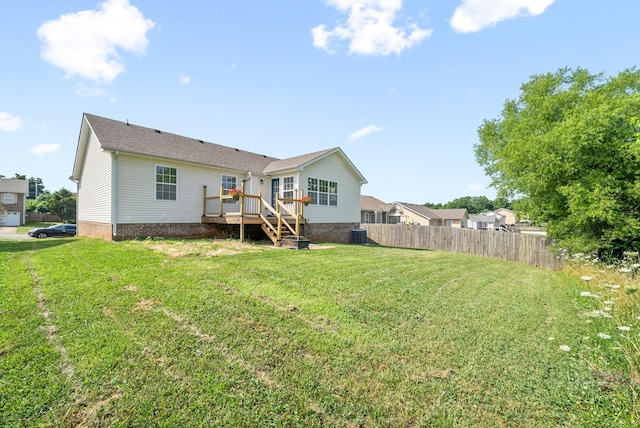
(475, 187)
(9, 122)
(185, 80)
(476, 15)
(86, 43)
(44, 149)
(356, 135)
(369, 28)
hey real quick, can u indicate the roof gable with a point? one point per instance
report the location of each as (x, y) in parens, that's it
(421, 210)
(300, 162)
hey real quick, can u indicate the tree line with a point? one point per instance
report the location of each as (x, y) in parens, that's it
(61, 203)
(473, 204)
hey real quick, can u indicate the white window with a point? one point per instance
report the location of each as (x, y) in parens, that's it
(323, 192)
(166, 183)
(367, 217)
(228, 182)
(287, 187)
(312, 190)
(9, 198)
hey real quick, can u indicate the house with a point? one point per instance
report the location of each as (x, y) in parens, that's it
(510, 218)
(135, 181)
(406, 213)
(453, 217)
(489, 220)
(373, 210)
(13, 201)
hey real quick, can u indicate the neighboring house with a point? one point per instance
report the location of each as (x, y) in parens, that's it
(489, 220)
(406, 213)
(136, 182)
(510, 218)
(373, 210)
(13, 201)
(454, 217)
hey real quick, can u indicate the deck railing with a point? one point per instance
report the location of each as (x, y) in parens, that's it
(247, 205)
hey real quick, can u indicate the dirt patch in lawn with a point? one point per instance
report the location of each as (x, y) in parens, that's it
(200, 247)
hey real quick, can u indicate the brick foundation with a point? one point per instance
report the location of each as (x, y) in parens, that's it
(339, 233)
(323, 232)
(94, 230)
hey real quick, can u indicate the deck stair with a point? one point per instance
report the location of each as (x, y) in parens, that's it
(282, 221)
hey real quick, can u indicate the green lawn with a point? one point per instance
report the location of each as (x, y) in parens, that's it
(215, 333)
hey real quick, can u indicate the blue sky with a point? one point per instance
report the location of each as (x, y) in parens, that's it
(400, 86)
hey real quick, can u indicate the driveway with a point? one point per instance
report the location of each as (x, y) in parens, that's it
(10, 233)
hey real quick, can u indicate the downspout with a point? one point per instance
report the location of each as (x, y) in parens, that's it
(114, 181)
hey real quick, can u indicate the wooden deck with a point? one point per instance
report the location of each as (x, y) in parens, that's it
(242, 209)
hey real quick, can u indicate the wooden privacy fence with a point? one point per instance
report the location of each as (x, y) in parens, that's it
(515, 247)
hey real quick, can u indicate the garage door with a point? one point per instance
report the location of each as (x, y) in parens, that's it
(10, 219)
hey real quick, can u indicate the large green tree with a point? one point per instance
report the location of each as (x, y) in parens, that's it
(568, 147)
(63, 204)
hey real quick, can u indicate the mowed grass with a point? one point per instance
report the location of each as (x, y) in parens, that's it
(215, 333)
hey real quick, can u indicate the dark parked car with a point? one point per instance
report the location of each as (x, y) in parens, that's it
(56, 230)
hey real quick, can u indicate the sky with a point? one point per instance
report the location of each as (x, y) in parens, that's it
(400, 86)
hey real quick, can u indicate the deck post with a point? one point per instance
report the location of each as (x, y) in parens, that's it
(298, 214)
(242, 213)
(279, 234)
(221, 200)
(204, 200)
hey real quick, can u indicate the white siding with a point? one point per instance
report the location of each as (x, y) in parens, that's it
(136, 191)
(333, 168)
(94, 188)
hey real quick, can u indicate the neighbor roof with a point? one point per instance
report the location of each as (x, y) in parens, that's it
(14, 185)
(420, 209)
(369, 203)
(451, 213)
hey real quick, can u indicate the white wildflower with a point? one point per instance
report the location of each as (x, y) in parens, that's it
(604, 336)
(565, 348)
(586, 278)
(624, 328)
(624, 270)
(550, 339)
(589, 294)
(615, 286)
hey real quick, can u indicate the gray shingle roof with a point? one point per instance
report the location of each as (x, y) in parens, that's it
(421, 209)
(451, 213)
(295, 162)
(130, 138)
(126, 137)
(369, 203)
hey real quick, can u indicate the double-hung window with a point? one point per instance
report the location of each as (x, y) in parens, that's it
(312, 190)
(228, 183)
(323, 192)
(287, 187)
(9, 198)
(166, 183)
